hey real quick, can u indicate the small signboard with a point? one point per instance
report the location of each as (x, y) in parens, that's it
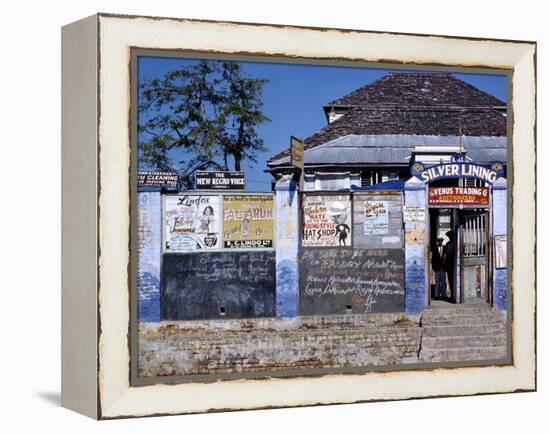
(220, 180)
(449, 196)
(500, 251)
(166, 180)
(296, 153)
(413, 214)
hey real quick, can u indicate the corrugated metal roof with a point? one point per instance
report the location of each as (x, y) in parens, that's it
(397, 148)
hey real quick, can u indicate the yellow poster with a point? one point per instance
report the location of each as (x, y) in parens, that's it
(248, 221)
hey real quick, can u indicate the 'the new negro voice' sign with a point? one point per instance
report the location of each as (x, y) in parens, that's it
(458, 196)
(219, 180)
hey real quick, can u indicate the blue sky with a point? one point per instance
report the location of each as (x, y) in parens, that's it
(294, 96)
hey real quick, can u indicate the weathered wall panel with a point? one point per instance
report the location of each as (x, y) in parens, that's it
(149, 253)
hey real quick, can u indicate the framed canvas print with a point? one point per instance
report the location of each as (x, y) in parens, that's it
(265, 216)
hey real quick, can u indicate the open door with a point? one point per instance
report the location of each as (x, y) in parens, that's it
(474, 256)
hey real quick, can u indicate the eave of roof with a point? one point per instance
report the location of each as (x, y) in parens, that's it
(395, 149)
(439, 121)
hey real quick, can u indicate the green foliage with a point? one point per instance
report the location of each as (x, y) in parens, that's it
(210, 110)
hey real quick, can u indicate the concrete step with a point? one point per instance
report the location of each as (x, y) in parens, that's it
(452, 342)
(463, 330)
(459, 309)
(461, 319)
(462, 354)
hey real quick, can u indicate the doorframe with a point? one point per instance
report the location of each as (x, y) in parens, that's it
(429, 272)
(488, 257)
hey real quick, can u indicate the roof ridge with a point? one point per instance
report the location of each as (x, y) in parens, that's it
(391, 86)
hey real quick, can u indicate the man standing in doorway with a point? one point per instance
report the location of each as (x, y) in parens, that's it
(449, 258)
(437, 267)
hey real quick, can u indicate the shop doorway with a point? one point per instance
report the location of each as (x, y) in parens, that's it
(474, 226)
(459, 254)
(441, 277)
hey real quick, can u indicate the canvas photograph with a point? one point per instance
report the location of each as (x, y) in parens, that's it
(293, 218)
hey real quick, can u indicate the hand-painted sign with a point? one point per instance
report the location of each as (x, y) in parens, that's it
(336, 281)
(219, 180)
(457, 170)
(191, 222)
(248, 221)
(166, 180)
(327, 221)
(473, 196)
(413, 214)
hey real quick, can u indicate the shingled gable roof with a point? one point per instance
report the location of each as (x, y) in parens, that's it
(417, 89)
(456, 105)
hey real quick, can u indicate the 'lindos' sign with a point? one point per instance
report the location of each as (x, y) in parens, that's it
(457, 170)
(219, 180)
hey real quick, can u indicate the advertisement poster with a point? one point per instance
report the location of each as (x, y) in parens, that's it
(327, 221)
(191, 222)
(248, 221)
(376, 218)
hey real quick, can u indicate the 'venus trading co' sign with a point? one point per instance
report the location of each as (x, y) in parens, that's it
(448, 196)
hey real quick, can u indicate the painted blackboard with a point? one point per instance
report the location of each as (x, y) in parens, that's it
(338, 281)
(217, 285)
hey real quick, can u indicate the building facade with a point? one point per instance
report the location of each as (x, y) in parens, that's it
(345, 272)
(381, 138)
(408, 167)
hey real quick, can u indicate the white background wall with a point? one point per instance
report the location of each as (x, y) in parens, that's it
(30, 217)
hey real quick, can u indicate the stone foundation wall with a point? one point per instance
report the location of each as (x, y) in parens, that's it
(237, 346)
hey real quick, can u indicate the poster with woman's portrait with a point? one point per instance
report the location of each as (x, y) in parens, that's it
(191, 222)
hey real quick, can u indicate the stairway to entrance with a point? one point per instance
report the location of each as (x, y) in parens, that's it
(462, 333)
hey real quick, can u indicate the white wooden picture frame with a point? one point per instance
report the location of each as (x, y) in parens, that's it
(96, 116)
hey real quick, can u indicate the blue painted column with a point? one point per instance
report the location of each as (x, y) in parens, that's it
(286, 223)
(415, 249)
(149, 255)
(499, 210)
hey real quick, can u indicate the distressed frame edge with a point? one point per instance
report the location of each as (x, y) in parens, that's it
(79, 135)
(112, 411)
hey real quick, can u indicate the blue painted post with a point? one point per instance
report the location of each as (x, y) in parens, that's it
(286, 221)
(499, 210)
(415, 249)
(149, 255)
